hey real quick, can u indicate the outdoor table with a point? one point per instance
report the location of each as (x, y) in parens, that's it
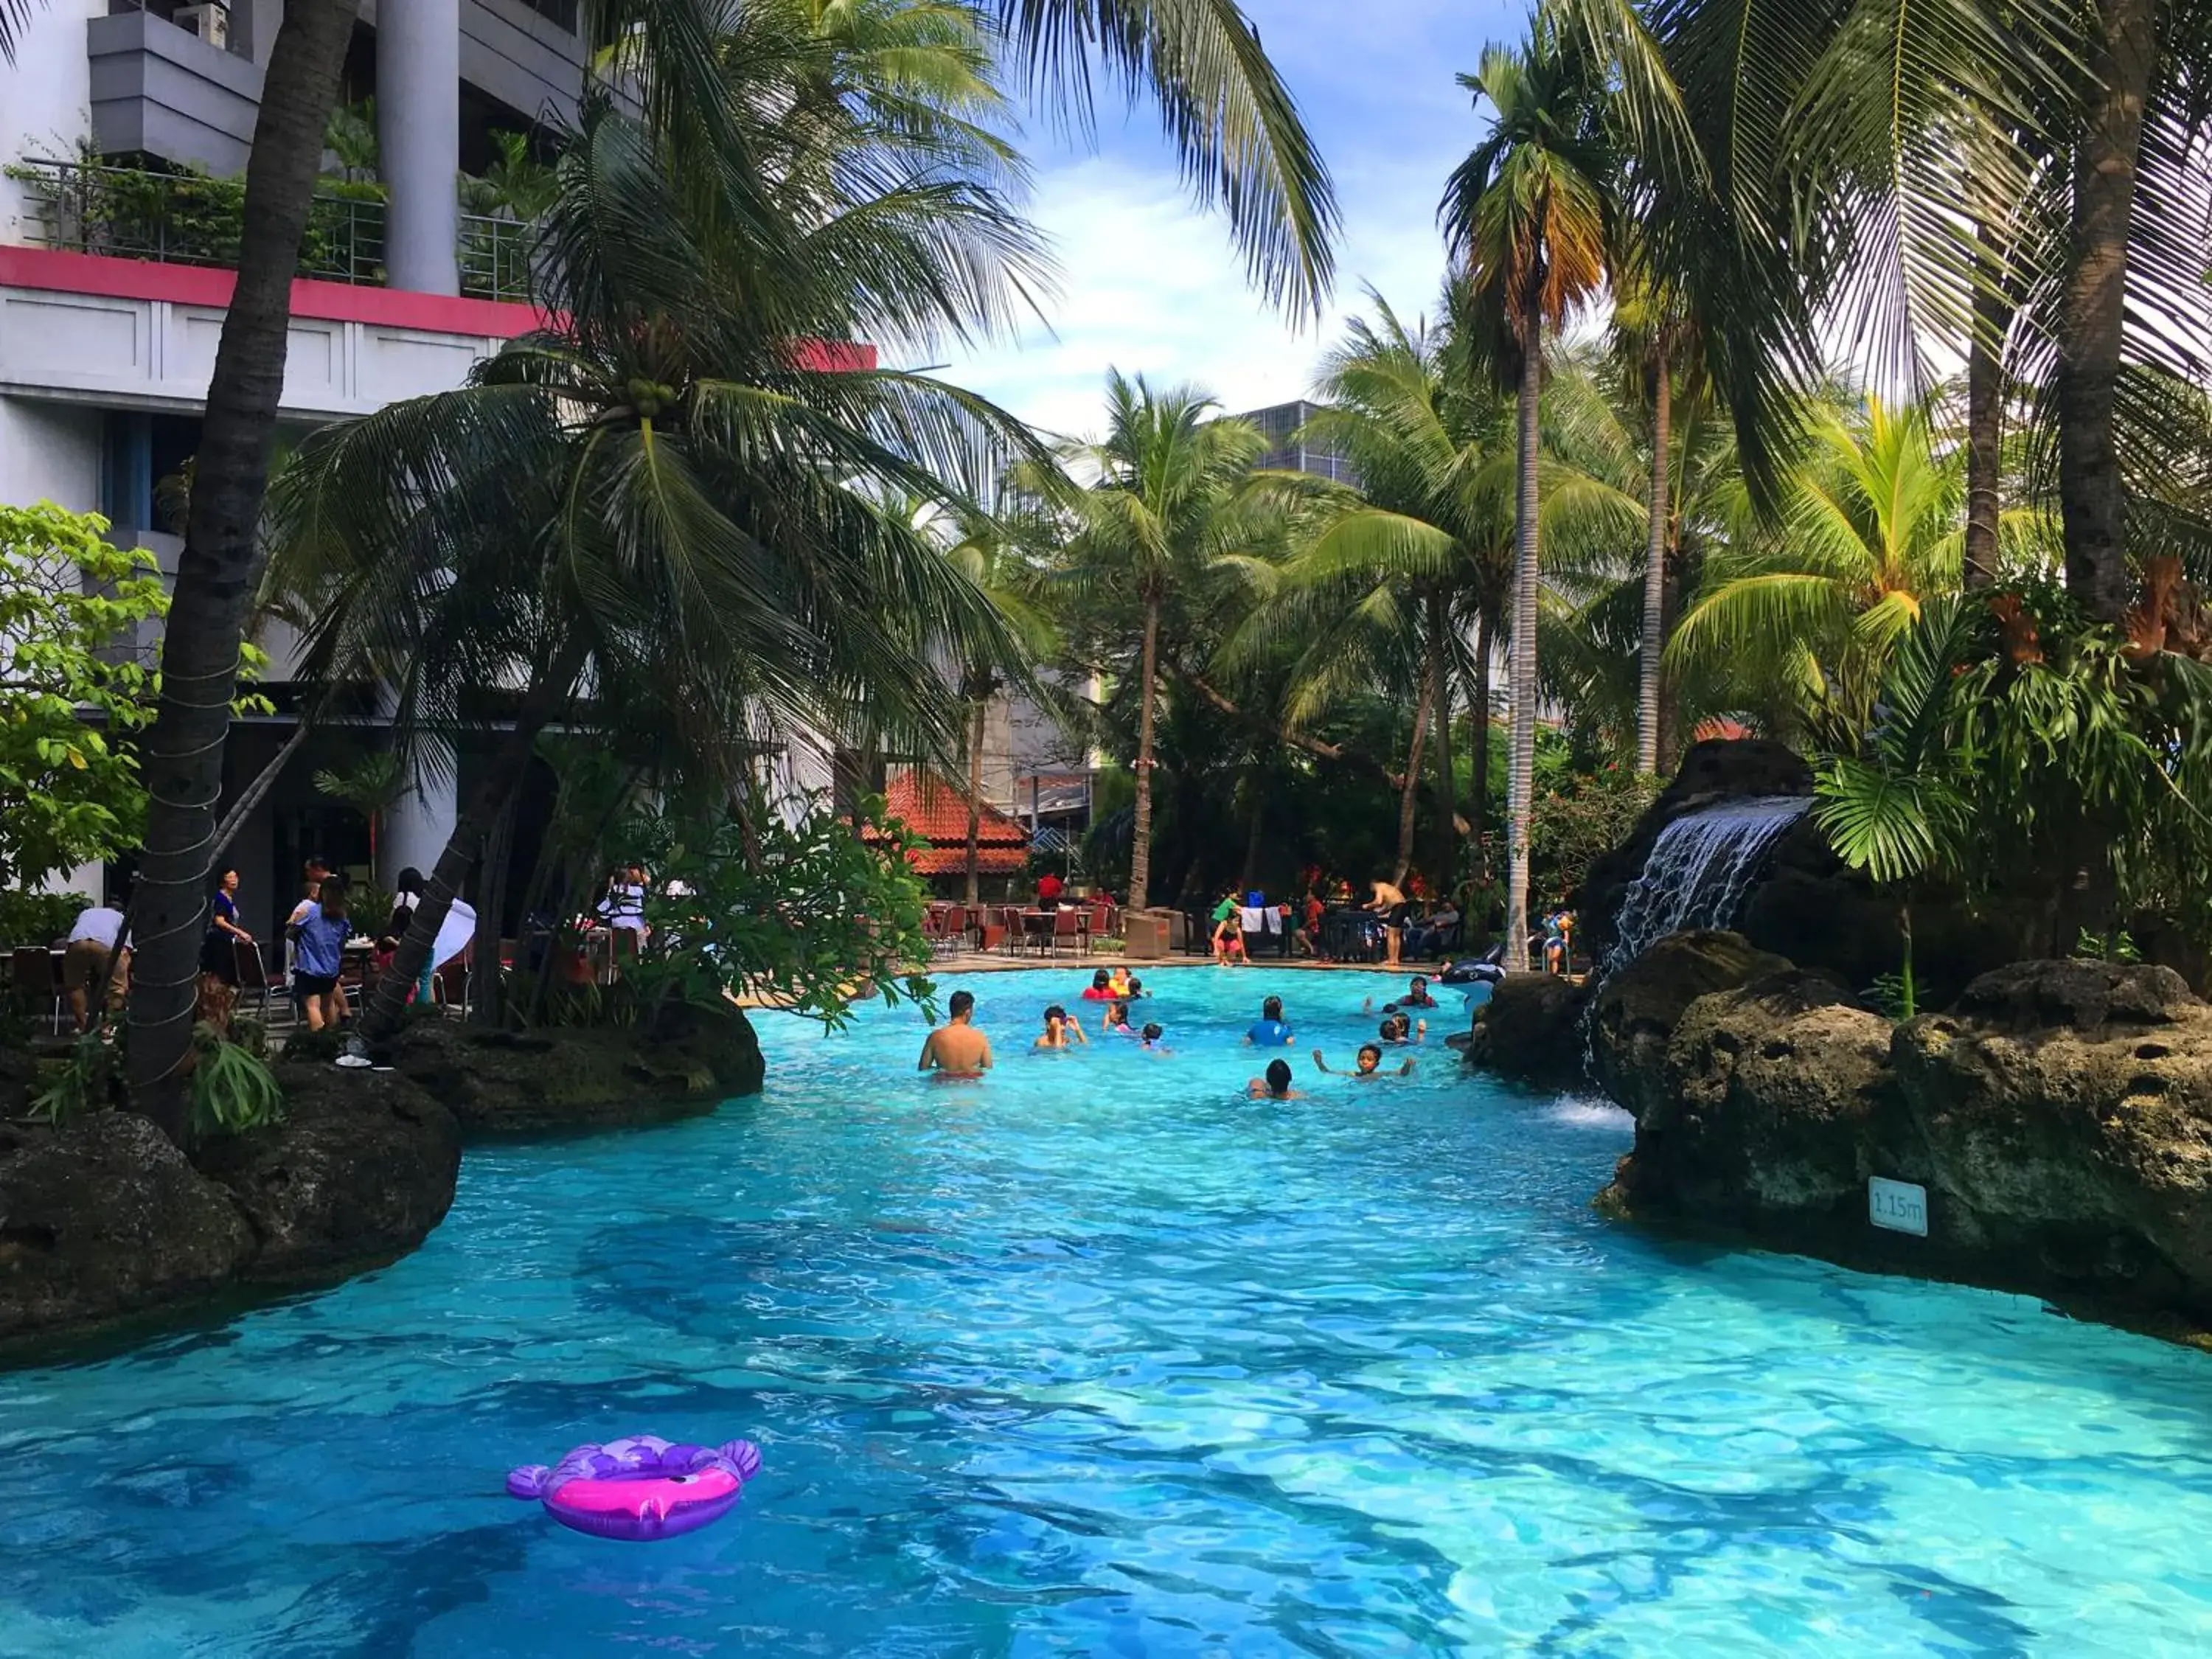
(1037, 929)
(1344, 934)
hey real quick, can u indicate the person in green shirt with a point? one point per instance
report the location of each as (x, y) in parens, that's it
(1228, 931)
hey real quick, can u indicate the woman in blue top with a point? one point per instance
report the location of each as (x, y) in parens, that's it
(318, 937)
(1269, 1031)
(219, 953)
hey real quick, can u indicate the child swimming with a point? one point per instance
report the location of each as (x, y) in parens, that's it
(1117, 1018)
(1061, 1031)
(1152, 1043)
(1101, 990)
(1276, 1085)
(1370, 1064)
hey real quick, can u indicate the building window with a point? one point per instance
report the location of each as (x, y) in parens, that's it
(559, 13)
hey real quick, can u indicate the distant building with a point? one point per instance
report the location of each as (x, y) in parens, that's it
(1279, 423)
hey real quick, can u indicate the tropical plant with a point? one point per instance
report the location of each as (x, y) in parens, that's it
(1425, 544)
(1530, 211)
(85, 1081)
(377, 782)
(181, 752)
(998, 555)
(1159, 515)
(71, 608)
(1229, 115)
(233, 1090)
(1896, 809)
(666, 455)
(786, 901)
(1868, 532)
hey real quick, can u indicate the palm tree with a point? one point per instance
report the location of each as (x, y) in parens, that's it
(375, 784)
(1818, 157)
(1159, 515)
(1428, 531)
(996, 557)
(1600, 482)
(181, 753)
(1232, 121)
(1894, 808)
(1529, 212)
(657, 501)
(1870, 531)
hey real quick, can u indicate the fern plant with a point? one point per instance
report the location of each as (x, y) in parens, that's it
(232, 1091)
(1895, 810)
(85, 1083)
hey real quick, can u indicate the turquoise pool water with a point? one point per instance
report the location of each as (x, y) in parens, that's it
(1098, 1357)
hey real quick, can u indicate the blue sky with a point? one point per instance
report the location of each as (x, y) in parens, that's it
(1149, 284)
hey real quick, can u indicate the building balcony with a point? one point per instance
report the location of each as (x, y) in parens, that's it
(192, 219)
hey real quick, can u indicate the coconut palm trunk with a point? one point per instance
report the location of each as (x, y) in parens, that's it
(181, 753)
(1140, 835)
(978, 715)
(1655, 573)
(1446, 780)
(1985, 413)
(548, 695)
(2121, 56)
(1410, 793)
(1478, 809)
(1521, 770)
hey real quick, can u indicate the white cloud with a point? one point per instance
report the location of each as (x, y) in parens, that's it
(1151, 285)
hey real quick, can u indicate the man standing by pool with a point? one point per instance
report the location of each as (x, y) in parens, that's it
(956, 1049)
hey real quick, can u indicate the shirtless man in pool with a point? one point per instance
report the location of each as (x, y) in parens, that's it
(956, 1049)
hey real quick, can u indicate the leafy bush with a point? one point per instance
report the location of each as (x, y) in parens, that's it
(38, 918)
(87, 1081)
(232, 1091)
(805, 915)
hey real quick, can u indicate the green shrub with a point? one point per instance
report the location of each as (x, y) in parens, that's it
(232, 1091)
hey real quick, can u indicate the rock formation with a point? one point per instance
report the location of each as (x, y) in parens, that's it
(2059, 1116)
(1530, 1031)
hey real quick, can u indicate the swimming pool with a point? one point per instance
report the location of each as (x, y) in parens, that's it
(1099, 1357)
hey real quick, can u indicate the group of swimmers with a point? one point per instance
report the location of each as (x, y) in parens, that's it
(957, 1050)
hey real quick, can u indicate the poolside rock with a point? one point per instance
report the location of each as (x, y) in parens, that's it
(103, 1216)
(361, 1169)
(1718, 770)
(2059, 1116)
(563, 1078)
(1636, 1011)
(1773, 1104)
(2065, 1109)
(1530, 1031)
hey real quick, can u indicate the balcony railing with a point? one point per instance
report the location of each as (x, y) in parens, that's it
(190, 219)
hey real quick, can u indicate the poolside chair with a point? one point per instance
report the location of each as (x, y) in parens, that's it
(257, 981)
(1070, 925)
(36, 974)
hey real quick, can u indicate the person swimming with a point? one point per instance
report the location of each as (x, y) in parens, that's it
(1061, 1031)
(1137, 988)
(1369, 1064)
(1101, 990)
(1153, 1041)
(1270, 1031)
(956, 1050)
(1118, 986)
(1276, 1085)
(1417, 996)
(1117, 1018)
(1397, 1028)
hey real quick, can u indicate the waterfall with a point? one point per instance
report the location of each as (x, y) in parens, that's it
(1698, 872)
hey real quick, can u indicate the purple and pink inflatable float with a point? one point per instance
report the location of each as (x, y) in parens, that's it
(640, 1489)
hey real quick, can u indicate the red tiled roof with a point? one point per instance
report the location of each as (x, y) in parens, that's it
(953, 861)
(935, 811)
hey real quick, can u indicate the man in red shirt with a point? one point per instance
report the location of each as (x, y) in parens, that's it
(1050, 889)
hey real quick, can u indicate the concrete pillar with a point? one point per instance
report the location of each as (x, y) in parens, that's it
(416, 831)
(418, 138)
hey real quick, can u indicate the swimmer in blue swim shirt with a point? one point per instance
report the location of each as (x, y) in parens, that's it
(1269, 1031)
